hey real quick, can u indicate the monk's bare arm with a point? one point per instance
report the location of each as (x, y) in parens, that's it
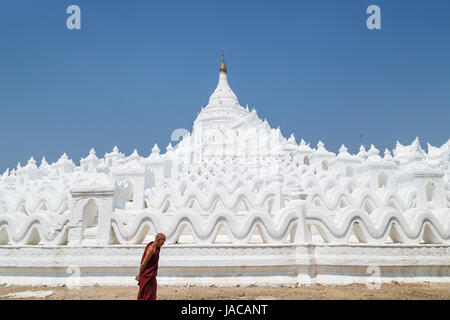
(148, 255)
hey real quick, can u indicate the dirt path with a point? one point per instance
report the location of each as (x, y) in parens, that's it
(389, 291)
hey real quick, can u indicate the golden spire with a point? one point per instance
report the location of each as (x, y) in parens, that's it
(223, 67)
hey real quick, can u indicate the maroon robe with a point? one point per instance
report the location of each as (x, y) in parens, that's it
(147, 280)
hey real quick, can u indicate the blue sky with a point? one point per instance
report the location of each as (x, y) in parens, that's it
(139, 69)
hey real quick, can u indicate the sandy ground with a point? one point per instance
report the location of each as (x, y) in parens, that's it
(389, 291)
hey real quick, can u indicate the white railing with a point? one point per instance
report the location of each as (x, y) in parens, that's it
(290, 224)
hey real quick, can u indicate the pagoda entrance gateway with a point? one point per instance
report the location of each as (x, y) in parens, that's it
(90, 221)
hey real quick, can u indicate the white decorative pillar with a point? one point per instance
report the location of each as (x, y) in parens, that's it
(156, 163)
(138, 196)
(301, 233)
(278, 180)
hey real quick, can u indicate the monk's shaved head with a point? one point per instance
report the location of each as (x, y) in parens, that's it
(159, 240)
(160, 236)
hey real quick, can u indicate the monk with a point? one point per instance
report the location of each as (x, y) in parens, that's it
(149, 269)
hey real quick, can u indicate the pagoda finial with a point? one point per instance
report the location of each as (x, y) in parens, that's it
(223, 67)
